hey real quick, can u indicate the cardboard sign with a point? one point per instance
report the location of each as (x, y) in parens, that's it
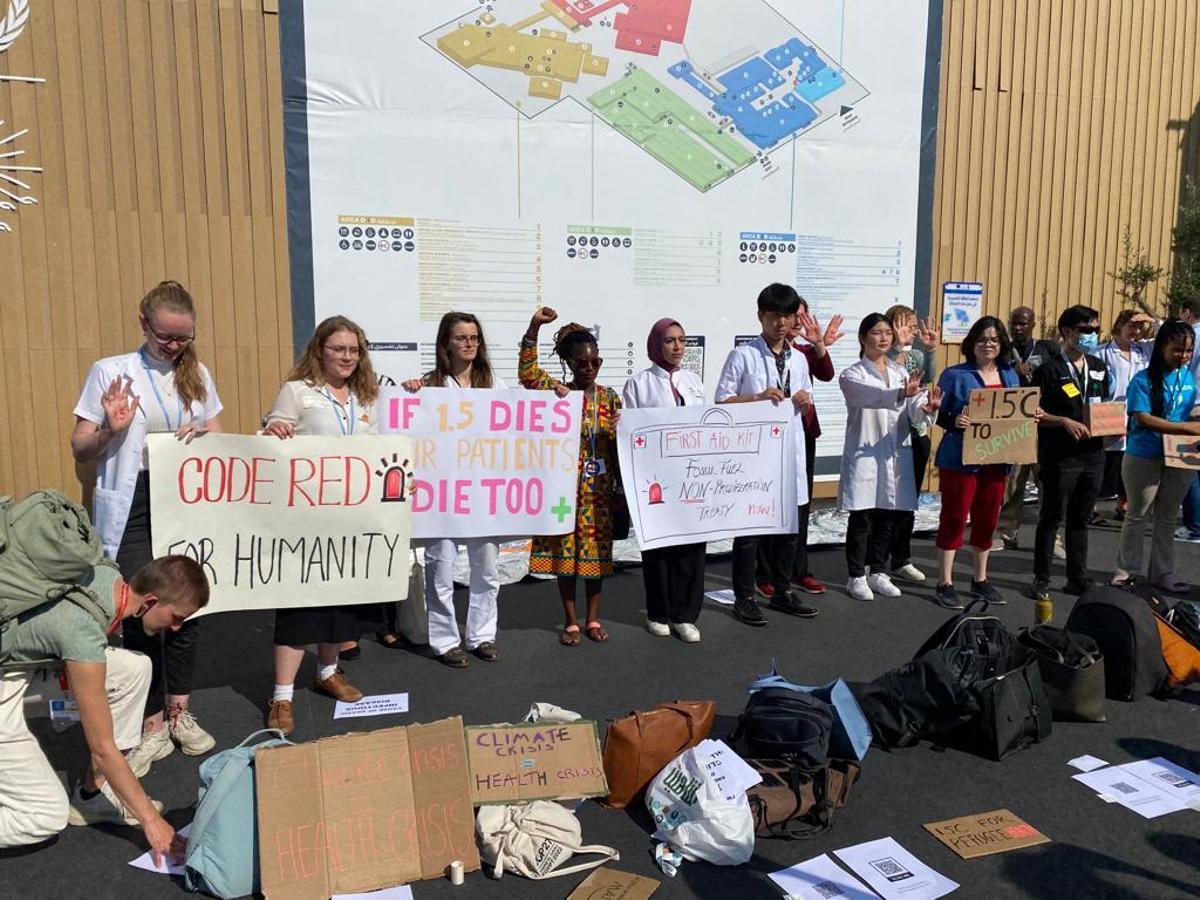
(612, 884)
(694, 473)
(310, 521)
(1106, 419)
(991, 832)
(488, 462)
(1002, 428)
(511, 763)
(363, 811)
(1181, 451)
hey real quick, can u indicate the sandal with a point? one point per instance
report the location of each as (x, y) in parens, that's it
(1172, 583)
(389, 639)
(569, 636)
(1121, 578)
(596, 632)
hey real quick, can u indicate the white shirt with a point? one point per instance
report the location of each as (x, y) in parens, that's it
(1121, 370)
(877, 468)
(651, 387)
(314, 410)
(125, 456)
(497, 384)
(751, 369)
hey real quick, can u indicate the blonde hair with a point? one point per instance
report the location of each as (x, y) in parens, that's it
(308, 367)
(173, 297)
(899, 314)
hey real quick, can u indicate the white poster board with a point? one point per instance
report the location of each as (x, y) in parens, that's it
(488, 463)
(309, 521)
(696, 473)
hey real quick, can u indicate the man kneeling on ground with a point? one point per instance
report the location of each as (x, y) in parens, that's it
(109, 685)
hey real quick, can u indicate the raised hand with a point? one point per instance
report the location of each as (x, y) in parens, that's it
(119, 403)
(544, 316)
(807, 328)
(934, 401)
(912, 387)
(927, 334)
(833, 332)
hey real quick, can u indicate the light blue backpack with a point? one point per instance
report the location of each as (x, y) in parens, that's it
(222, 849)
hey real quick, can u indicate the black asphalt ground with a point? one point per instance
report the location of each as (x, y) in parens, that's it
(1097, 850)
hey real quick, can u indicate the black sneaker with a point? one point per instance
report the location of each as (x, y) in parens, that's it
(792, 605)
(947, 597)
(1075, 588)
(985, 591)
(745, 610)
(1039, 589)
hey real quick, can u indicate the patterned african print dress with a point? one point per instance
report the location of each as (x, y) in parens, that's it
(586, 552)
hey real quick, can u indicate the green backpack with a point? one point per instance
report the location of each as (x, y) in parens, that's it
(49, 551)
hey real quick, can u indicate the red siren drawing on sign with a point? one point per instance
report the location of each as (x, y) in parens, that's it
(396, 477)
(654, 492)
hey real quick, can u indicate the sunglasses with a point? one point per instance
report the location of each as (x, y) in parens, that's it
(588, 364)
(1086, 329)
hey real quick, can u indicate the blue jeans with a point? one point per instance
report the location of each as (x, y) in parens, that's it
(1191, 507)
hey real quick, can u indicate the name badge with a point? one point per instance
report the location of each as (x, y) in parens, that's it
(594, 467)
(1070, 390)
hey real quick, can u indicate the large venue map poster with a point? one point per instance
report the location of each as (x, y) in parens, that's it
(618, 160)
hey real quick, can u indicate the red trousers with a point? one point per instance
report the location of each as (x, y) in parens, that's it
(978, 493)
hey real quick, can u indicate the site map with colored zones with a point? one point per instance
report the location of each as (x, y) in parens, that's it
(704, 93)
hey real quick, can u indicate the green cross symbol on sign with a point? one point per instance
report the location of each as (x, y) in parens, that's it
(562, 510)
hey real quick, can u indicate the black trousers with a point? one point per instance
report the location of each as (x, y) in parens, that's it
(172, 653)
(1069, 489)
(904, 521)
(779, 557)
(868, 537)
(674, 579)
(1112, 483)
(800, 567)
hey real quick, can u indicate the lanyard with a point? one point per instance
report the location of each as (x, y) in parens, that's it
(595, 418)
(1075, 375)
(1177, 391)
(772, 366)
(1032, 346)
(339, 413)
(158, 396)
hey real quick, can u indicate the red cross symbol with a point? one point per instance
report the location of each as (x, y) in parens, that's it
(980, 399)
(639, 442)
(775, 431)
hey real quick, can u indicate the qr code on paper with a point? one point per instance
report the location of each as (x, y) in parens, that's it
(1124, 788)
(1172, 779)
(890, 869)
(827, 889)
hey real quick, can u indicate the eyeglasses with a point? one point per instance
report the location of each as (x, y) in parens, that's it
(181, 339)
(467, 339)
(352, 352)
(593, 363)
(987, 340)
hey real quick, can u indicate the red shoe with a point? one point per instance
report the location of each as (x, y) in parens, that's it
(765, 589)
(809, 585)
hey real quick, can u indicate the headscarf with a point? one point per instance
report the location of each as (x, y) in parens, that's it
(654, 349)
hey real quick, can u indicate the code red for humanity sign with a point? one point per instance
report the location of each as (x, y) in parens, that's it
(488, 462)
(310, 521)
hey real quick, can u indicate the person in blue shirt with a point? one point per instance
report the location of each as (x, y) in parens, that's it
(1159, 401)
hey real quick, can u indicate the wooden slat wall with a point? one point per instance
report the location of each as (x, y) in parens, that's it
(160, 131)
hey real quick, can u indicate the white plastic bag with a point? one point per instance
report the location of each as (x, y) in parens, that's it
(695, 819)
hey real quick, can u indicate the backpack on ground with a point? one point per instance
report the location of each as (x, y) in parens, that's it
(1179, 634)
(920, 700)
(48, 551)
(1123, 627)
(222, 848)
(1184, 617)
(1072, 670)
(794, 802)
(779, 723)
(1014, 711)
(976, 646)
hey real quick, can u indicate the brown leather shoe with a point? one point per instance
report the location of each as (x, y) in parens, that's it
(337, 687)
(279, 715)
(487, 651)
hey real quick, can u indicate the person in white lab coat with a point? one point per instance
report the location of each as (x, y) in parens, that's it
(673, 576)
(462, 363)
(768, 368)
(160, 388)
(884, 401)
(1126, 354)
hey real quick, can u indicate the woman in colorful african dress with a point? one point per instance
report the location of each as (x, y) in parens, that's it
(586, 552)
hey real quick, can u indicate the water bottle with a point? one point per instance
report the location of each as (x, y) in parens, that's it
(1043, 610)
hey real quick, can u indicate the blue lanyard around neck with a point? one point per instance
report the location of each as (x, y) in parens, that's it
(158, 396)
(339, 413)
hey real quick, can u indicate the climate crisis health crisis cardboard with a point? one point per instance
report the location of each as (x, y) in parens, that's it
(364, 811)
(516, 763)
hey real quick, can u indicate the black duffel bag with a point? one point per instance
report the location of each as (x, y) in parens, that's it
(1014, 711)
(779, 723)
(918, 701)
(1072, 672)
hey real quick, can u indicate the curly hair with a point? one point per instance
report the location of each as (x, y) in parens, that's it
(308, 367)
(173, 297)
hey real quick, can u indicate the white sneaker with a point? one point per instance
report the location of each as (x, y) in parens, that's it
(909, 572)
(858, 588)
(191, 738)
(688, 633)
(661, 629)
(155, 745)
(1060, 550)
(881, 584)
(105, 807)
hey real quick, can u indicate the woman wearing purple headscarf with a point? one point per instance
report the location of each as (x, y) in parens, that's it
(674, 576)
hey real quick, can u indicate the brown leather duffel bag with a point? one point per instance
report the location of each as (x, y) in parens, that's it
(639, 746)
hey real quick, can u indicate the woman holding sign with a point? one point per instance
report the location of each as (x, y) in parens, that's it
(1159, 401)
(330, 391)
(877, 484)
(462, 363)
(977, 491)
(674, 576)
(586, 552)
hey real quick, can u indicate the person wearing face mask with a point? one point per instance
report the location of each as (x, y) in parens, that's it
(586, 551)
(673, 576)
(877, 485)
(1070, 460)
(160, 388)
(1125, 355)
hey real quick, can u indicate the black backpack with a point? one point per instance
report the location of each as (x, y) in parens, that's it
(779, 723)
(1185, 616)
(1122, 625)
(917, 701)
(977, 646)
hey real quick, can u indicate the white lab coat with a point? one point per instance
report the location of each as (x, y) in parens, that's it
(750, 369)
(877, 467)
(651, 387)
(1121, 372)
(117, 470)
